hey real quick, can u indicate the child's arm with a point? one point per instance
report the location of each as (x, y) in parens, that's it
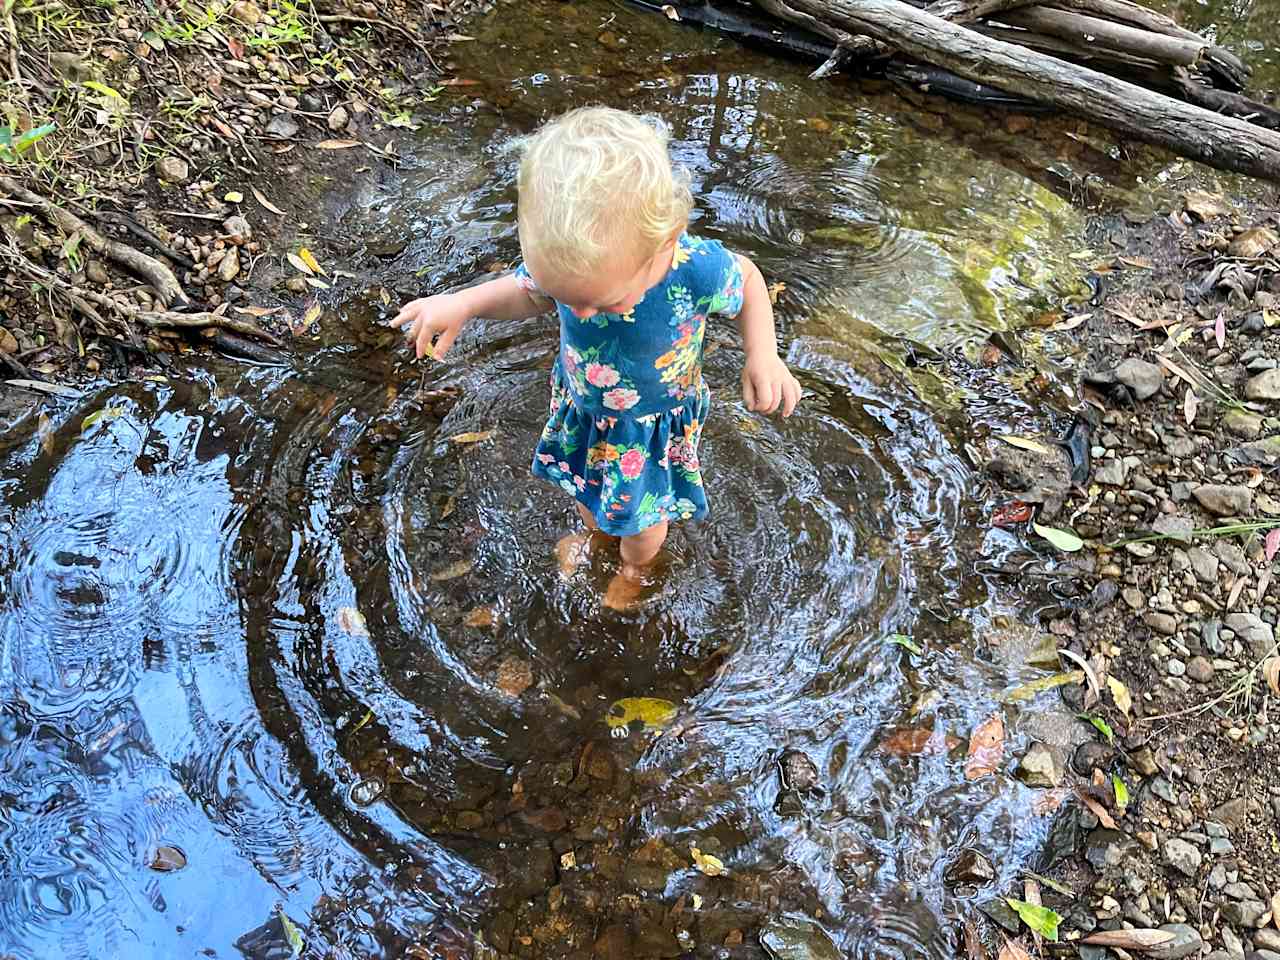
(766, 381)
(447, 313)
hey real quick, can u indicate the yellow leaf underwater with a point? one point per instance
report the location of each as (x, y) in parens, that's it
(352, 622)
(653, 712)
(711, 866)
(307, 257)
(472, 437)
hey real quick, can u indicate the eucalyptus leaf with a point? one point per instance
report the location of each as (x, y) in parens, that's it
(1064, 540)
(291, 932)
(1122, 791)
(1040, 919)
(902, 640)
(1101, 725)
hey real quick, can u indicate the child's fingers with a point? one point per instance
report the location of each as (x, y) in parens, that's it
(773, 395)
(422, 340)
(447, 336)
(748, 393)
(791, 396)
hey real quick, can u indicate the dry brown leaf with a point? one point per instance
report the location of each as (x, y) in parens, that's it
(473, 437)
(1096, 809)
(45, 431)
(1013, 950)
(480, 617)
(337, 144)
(1176, 370)
(1120, 695)
(1142, 263)
(1205, 206)
(1139, 939)
(1271, 672)
(257, 195)
(453, 571)
(459, 82)
(986, 748)
(258, 312)
(1236, 590)
(312, 314)
(298, 263)
(914, 741)
(515, 676)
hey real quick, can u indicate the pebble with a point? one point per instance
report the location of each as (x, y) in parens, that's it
(1162, 623)
(971, 867)
(1267, 940)
(1221, 846)
(1264, 386)
(1039, 767)
(339, 118)
(1110, 472)
(237, 229)
(173, 170)
(1256, 634)
(1186, 942)
(1178, 528)
(282, 128)
(1143, 378)
(1245, 913)
(96, 272)
(1224, 500)
(229, 268)
(1134, 598)
(1200, 670)
(1243, 424)
(793, 938)
(1232, 556)
(1203, 564)
(1182, 856)
(247, 12)
(1144, 761)
(1176, 667)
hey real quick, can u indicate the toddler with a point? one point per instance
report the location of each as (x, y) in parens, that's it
(602, 219)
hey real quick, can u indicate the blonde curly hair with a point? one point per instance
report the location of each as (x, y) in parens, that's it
(597, 183)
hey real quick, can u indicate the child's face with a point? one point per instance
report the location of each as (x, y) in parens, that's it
(615, 288)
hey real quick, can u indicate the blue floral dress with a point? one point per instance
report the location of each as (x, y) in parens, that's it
(627, 398)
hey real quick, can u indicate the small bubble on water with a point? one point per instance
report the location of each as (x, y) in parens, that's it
(366, 792)
(796, 237)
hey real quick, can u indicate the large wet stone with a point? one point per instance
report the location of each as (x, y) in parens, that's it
(1182, 856)
(1143, 378)
(1105, 848)
(1265, 386)
(1225, 500)
(794, 938)
(971, 867)
(1039, 767)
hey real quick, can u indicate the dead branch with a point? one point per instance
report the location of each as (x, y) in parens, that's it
(150, 269)
(966, 11)
(1091, 32)
(13, 41)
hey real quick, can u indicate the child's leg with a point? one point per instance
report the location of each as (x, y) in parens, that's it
(573, 548)
(638, 553)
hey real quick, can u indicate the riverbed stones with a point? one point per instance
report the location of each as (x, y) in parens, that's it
(282, 128)
(1110, 472)
(339, 118)
(229, 266)
(1162, 623)
(795, 938)
(1106, 848)
(1203, 564)
(247, 12)
(1264, 386)
(1243, 424)
(1144, 761)
(1143, 378)
(1176, 528)
(1267, 939)
(1182, 856)
(1186, 942)
(1254, 632)
(1200, 669)
(971, 867)
(1039, 767)
(1092, 755)
(1224, 500)
(173, 170)
(237, 229)
(1245, 913)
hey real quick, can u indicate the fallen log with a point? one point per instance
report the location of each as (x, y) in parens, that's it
(1188, 130)
(1105, 35)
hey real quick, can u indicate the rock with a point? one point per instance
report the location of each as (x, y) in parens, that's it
(1176, 667)
(1045, 653)
(282, 128)
(1039, 767)
(645, 876)
(1243, 424)
(1255, 633)
(798, 773)
(229, 268)
(1245, 913)
(1267, 939)
(971, 867)
(96, 272)
(1203, 564)
(1177, 528)
(339, 118)
(1265, 451)
(469, 820)
(1200, 669)
(1111, 472)
(237, 229)
(1265, 386)
(167, 859)
(1186, 942)
(1144, 761)
(173, 170)
(1224, 500)
(1220, 847)
(654, 940)
(1182, 856)
(1232, 942)
(796, 938)
(1162, 623)
(547, 819)
(1232, 813)
(1105, 848)
(1179, 447)
(247, 12)
(1133, 598)
(296, 285)
(1092, 755)
(1232, 556)
(1144, 379)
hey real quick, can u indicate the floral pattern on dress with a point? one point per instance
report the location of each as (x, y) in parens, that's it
(628, 402)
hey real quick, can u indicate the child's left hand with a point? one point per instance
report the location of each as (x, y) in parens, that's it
(767, 383)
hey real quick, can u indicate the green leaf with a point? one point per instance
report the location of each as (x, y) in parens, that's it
(103, 89)
(1122, 792)
(291, 932)
(1102, 726)
(1040, 919)
(106, 413)
(903, 640)
(24, 142)
(1064, 540)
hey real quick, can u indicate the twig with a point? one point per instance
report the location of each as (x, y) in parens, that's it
(138, 230)
(150, 269)
(13, 39)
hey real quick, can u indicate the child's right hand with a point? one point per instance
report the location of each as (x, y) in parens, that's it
(444, 315)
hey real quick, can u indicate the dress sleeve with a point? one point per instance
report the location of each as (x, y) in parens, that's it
(723, 272)
(526, 284)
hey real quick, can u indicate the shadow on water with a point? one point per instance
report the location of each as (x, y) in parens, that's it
(307, 627)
